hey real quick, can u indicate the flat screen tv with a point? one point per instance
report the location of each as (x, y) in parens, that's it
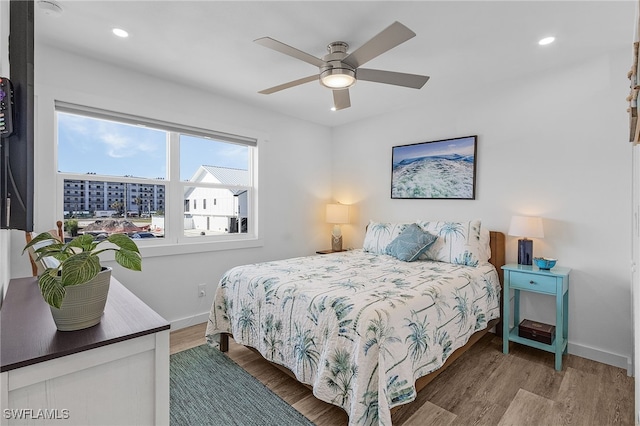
(16, 150)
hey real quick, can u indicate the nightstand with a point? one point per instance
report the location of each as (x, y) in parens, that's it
(554, 282)
(329, 251)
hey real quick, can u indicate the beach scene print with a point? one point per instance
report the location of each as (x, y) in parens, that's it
(439, 169)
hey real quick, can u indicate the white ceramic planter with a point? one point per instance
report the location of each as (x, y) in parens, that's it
(83, 304)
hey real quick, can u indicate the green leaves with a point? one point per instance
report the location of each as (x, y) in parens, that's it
(45, 236)
(79, 268)
(79, 261)
(51, 288)
(84, 242)
(123, 241)
(129, 259)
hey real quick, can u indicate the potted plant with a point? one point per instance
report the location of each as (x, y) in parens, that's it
(74, 283)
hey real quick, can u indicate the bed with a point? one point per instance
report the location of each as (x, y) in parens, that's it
(366, 329)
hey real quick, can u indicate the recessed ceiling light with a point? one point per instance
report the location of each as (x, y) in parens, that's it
(546, 40)
(120, 32)
(333, 108)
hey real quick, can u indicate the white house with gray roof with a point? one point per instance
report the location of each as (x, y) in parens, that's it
(214, 209)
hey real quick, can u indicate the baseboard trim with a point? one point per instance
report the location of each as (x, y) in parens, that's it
(189, 321)
(598, 355)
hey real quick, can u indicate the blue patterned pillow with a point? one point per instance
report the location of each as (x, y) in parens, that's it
(411, 243)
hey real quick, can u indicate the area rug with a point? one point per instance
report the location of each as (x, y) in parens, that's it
(208, 388)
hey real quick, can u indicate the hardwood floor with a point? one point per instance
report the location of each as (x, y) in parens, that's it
(483, 387)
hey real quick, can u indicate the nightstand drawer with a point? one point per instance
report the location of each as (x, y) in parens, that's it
(532, 282)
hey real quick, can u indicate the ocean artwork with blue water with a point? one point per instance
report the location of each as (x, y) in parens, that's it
(438, 169)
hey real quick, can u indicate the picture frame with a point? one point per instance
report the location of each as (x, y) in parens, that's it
(442, 169)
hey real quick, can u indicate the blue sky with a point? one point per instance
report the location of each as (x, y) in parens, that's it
(462, 146)
(109, 148)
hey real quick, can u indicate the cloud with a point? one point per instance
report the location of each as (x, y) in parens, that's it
(118, 146)
(109, 148)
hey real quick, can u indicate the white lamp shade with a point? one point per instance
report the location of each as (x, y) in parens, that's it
(526, 226)
(337, 213)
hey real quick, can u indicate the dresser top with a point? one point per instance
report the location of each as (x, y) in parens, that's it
(28, 334)
(555, 271)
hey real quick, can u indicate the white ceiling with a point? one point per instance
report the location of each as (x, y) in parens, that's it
(460, 45)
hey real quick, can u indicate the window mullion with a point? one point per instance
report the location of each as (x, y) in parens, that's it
(174, 214)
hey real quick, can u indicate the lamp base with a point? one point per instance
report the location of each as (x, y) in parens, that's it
(336, 243)
(525, 252)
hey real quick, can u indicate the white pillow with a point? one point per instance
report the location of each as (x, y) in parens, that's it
(460, 243)
(485, 246)
(380, 234)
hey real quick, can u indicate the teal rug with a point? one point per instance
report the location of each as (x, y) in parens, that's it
(208, 388)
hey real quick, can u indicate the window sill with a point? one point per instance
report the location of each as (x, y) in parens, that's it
(170, 249)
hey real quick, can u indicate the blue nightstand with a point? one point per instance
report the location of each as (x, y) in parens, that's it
(554, 282)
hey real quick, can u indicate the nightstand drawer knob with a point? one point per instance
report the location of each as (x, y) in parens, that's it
(532, 282)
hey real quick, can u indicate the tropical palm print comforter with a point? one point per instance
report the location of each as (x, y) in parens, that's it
(359, 327)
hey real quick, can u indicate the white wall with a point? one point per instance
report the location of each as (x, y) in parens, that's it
(292, 193)
(553, 145)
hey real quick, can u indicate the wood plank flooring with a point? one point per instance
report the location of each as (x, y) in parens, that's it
(483, 387)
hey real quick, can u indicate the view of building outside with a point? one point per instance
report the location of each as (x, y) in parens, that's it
(92, 198)
(215, 176)
(217, 209)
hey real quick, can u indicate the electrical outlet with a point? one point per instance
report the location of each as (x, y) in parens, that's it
(202, 290)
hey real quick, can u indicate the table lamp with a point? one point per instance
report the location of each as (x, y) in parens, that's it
(525, 226)
(337, 214)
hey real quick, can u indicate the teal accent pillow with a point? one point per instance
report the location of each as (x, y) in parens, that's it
(411, 243)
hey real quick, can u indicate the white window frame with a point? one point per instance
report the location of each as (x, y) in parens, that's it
(174, 187)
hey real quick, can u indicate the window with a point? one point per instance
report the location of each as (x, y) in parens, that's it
(155, 172)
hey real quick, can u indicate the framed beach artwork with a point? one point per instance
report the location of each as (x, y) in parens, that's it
(444, 169)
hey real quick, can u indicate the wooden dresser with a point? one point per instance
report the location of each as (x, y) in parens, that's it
(115, 373)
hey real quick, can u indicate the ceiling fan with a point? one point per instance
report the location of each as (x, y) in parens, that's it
(339, 70)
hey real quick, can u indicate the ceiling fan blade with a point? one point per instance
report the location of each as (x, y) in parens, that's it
(387, 39)
(291, 51)
(289, 84)
(341, 99)
(413, 81)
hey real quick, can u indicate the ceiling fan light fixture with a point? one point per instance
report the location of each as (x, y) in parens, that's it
(338, 78)
(338, 69)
